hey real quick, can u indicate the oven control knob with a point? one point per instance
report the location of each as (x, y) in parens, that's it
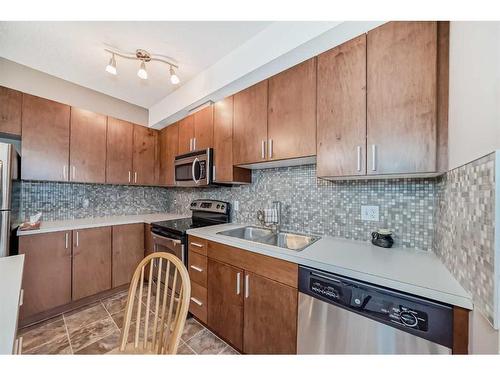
(222, 207)
(218, 206)
(408, 319)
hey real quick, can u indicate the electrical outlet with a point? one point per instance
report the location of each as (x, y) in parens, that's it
(236, 206)
(370, 213)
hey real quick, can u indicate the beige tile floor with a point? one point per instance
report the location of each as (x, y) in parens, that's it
(95, 329)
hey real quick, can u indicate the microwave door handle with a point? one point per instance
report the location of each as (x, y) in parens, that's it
(192, 171)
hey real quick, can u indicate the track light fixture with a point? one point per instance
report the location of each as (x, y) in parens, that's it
(143, 56)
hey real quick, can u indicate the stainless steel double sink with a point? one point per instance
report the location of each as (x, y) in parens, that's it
(286, 240)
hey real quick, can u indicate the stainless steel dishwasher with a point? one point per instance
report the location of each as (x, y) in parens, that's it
(339, 315)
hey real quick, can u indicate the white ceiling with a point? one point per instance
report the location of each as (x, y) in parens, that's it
(74, 51)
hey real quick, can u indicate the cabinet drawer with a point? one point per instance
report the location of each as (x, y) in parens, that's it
(198, 303)
(198, 245)
(197, 265)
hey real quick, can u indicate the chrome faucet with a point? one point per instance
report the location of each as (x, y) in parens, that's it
(277, 208)
(271, 218)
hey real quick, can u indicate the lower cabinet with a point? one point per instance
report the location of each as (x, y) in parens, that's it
(47, 271)
(128, 251)
(91, 261)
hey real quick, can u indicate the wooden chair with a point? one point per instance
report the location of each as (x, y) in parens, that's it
(158, 331)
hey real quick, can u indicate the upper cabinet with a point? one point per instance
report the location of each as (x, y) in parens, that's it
(250, 124)
(186, 135)
(45, 137)
(10, 111)
(224, 170)
(87, 157)
(203, 128)
(169, 144)
(401, 102)
(144, 156)
(341, 109)
(119, 151)
(291, 127)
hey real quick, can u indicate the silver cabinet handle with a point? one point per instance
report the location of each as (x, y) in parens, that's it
(196, 244)
(129, 176)
(197, 268)
(247, 286)
(190, 144)
(20, 345)
(359, 158)
(74, 172)
(238, 283)
(270, 148)
(66, 237)
(374, 157)
(77, 239)
(194, 144)
(64, 173)
(21, 297)
(135, 177)
(263, 149)
(197, 301)
(213, 173)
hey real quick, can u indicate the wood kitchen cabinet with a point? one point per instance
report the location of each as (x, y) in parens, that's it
(91, 261)
(250, 124)
(10, 111)
(119, 151)
(224, 170)
(291, 127)
(203, 128)
(144, 155)
(401, 98)
(341, 110)
(169, 146)
(186, 135)
(47, 271)
(87, 156)
(127, 252)
(45, 137)
(225, 302)
(270, 323)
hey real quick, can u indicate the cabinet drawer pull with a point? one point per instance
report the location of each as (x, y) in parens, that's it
(238, 283)
(374, 157)
(64, 172)
(77, 239)
(197, 268)
(135, 177)
(270, 148)
(263, 149)
(359, 158)
(247, 286)
(21, 297)
(66, 237)
(129, 176)
(194, 144)
(197, 301)
(196, 244)
(20, 345)
(74, 172)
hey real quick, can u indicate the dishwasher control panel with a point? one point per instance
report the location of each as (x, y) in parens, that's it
(413, 314)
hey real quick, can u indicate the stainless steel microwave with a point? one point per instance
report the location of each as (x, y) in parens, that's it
(194, 168)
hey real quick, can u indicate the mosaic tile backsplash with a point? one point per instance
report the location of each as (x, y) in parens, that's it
(464, 238)
(334, 208)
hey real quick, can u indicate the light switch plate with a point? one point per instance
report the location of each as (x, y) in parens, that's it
(370, 213)
(236, 206)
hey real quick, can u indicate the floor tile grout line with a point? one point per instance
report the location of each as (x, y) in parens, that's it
(97, 339)
(194, 351)
(67, 334)
(196, 334)
(42, 324)
(116, 325)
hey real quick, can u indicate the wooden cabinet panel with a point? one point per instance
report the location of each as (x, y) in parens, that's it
(10, 111)
(203, 128)
(292, 112)
(186, 134)
(127, 252)
(401, 99)
(198, 245)
(119, 151)
(225, 172)
(250, 124)
(169, 146)
(45, 135)
(341, 127)
(225, 302)
(47, 271)
(198, 302)
(270, 323)
(87, 157)
(144, 155)
(91, 261)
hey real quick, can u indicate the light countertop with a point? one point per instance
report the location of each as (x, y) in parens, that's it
(11, 275)
(411, 271)
(104, 221)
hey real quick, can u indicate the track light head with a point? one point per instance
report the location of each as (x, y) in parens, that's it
(111, 67)
(142, 73)
(173, 77)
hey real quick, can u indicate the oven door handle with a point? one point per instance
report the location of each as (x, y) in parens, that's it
(192, 171)
(168, 239)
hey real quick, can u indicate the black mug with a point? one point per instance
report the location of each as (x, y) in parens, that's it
(382, 240)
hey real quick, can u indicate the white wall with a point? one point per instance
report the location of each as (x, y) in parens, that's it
(22, 78)
(474, 109)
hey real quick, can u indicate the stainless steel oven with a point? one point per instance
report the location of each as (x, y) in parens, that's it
(194, 168)
(168, 244)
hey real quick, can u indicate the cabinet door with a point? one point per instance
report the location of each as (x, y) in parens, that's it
(186, 135)
(225, 302)
(342, 110)
(250, 124)
(45, 135)
(47, 271)
(204, 128)
(169, 145)
(401, 101)
(91, 261)
(87, 156)
(292, 112)
(144, 155)
(270, 325)
(10, 111)
(119, 151)
(127, 252)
